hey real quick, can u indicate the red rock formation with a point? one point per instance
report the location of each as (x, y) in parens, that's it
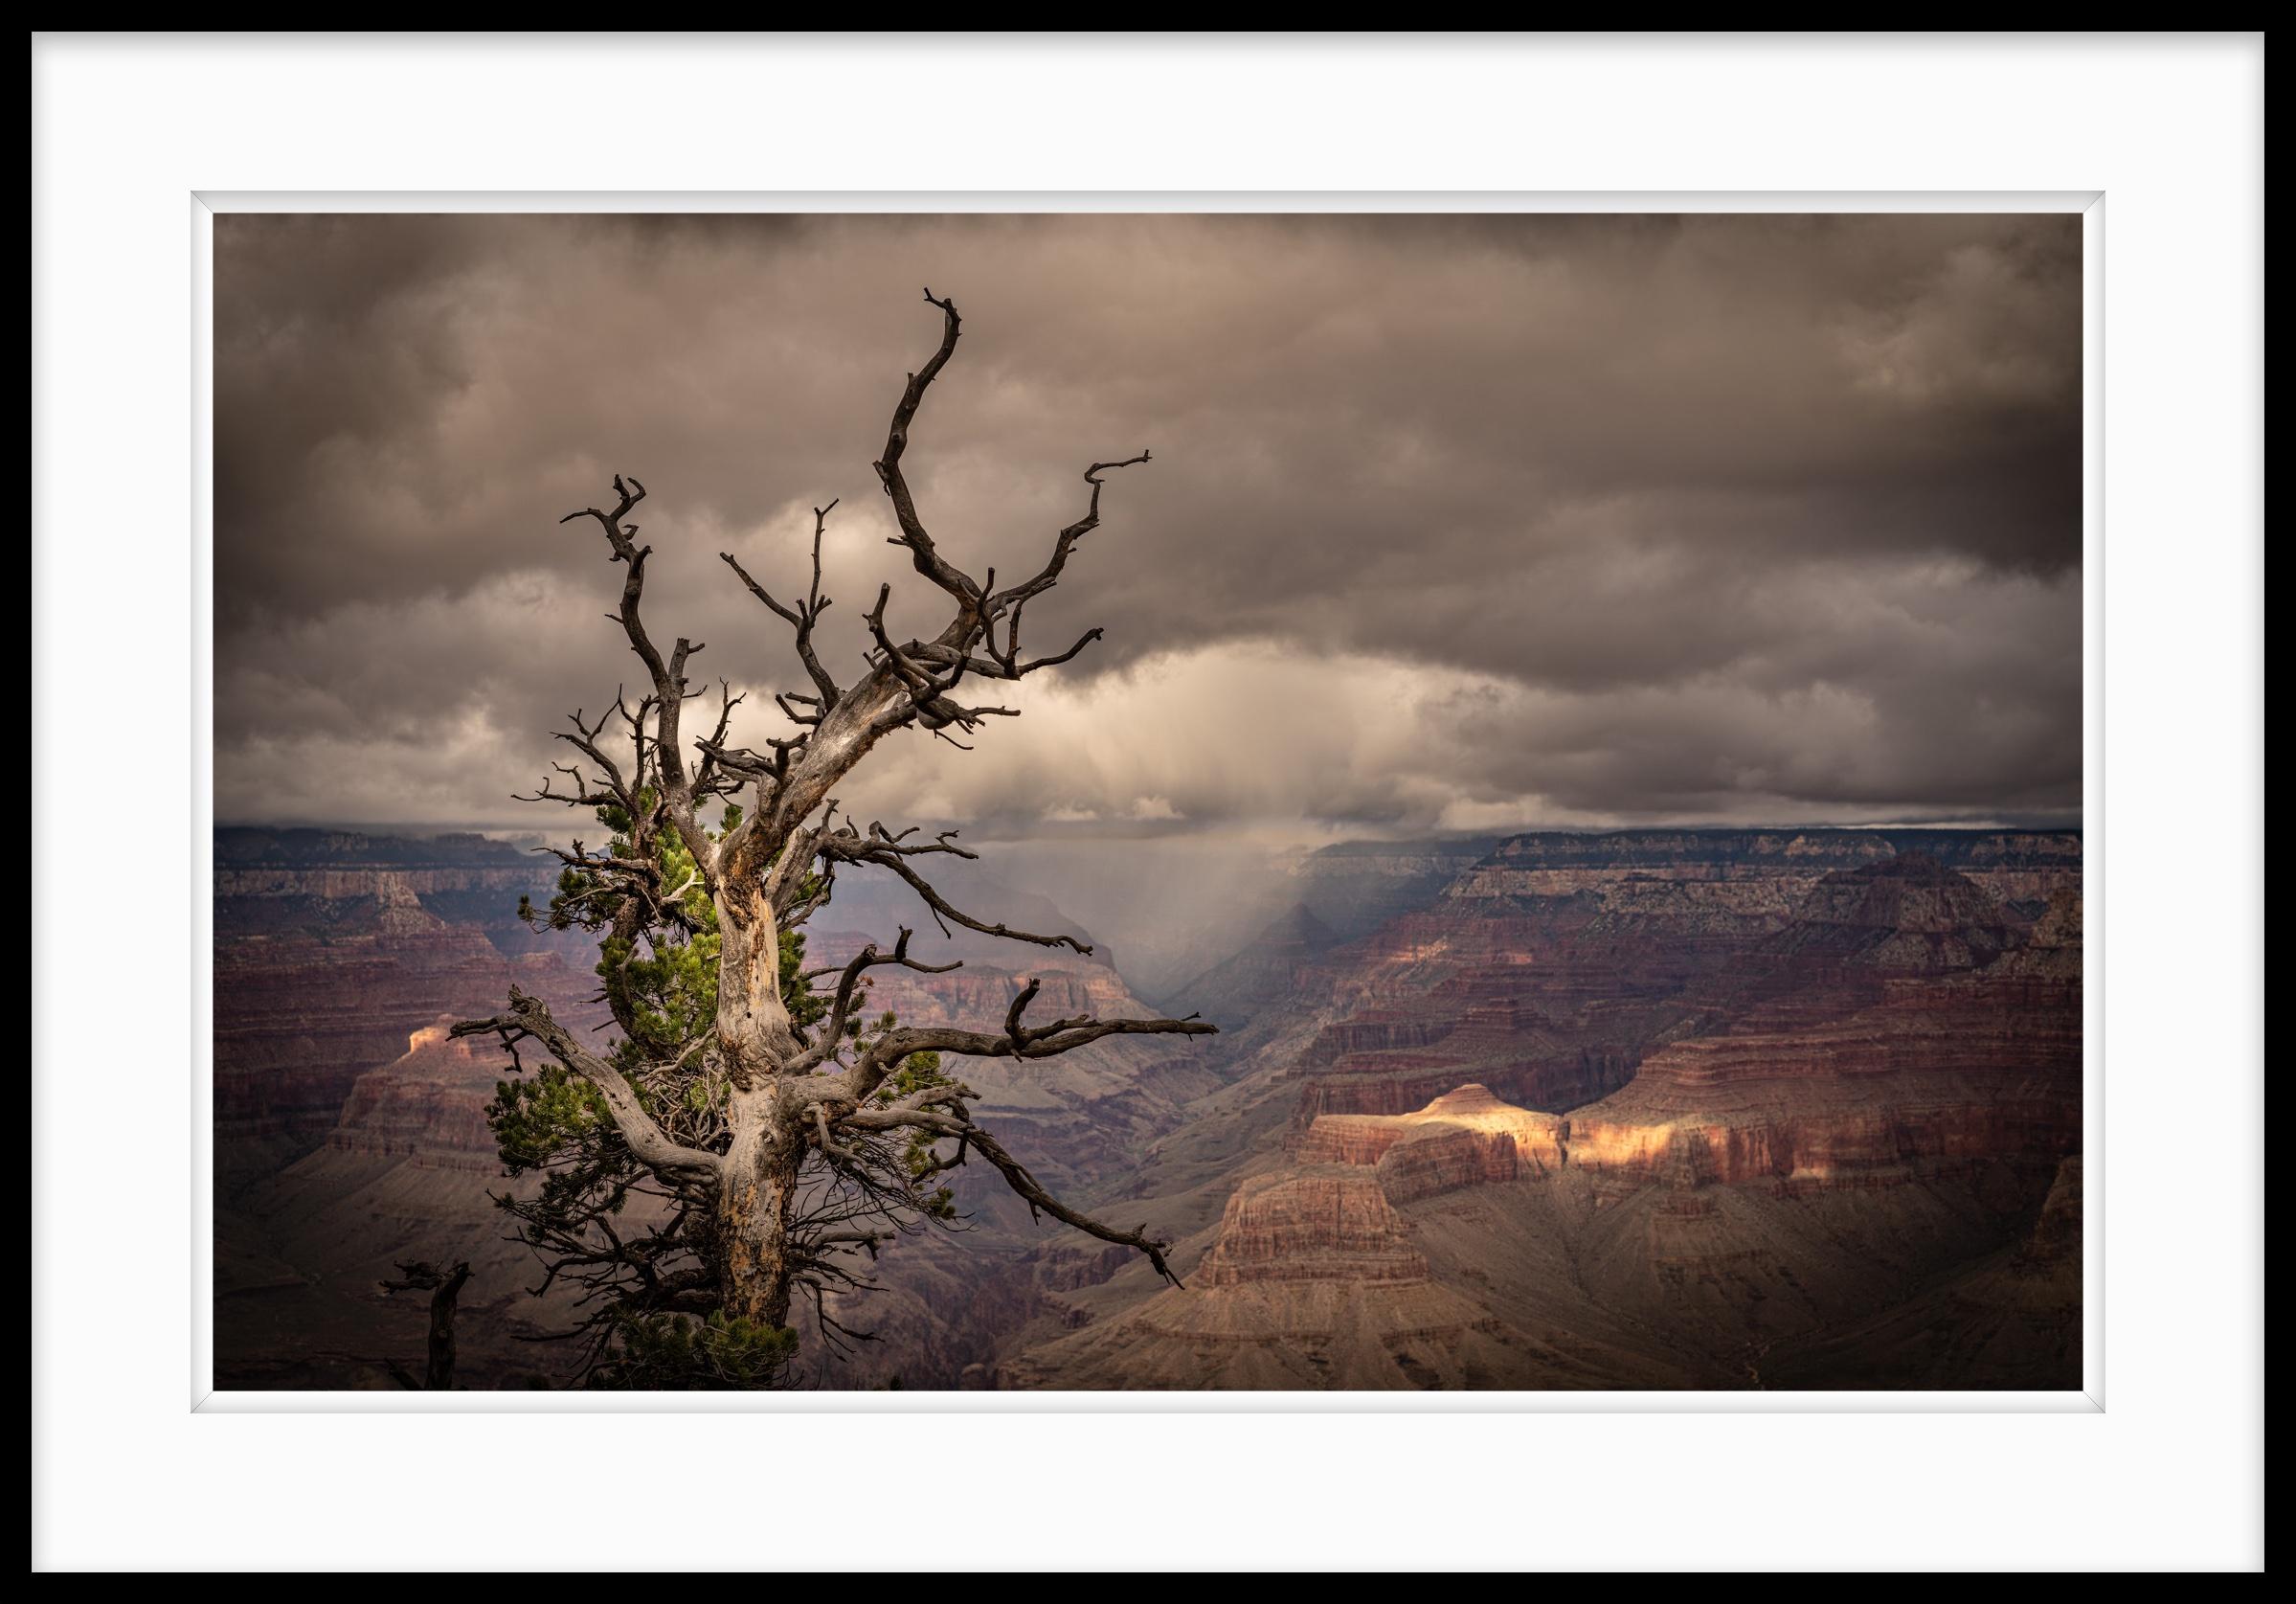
(1312, 1283)
(1876, 971)
(1326, 1222)
(299, 1017)
(1372, 1030)
(1472, 1027)
(1903, 1020)
(428, 1105)
(409, 1168)
(1465, 1137)
(344, 883)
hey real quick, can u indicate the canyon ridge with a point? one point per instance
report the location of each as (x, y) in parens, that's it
(1652, 1108)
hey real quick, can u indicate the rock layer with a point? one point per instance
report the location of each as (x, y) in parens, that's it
(1649, 1109)
(1742, 1109)
(303, 1008)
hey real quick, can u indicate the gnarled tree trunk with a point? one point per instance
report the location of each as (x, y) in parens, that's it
(829, 1096)
(751, 1210)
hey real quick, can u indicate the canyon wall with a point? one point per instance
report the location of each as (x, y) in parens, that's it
(1695, 1108)
(321, 972)
(1649, 1109)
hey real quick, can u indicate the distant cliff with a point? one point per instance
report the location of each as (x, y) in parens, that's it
(1649, 1108)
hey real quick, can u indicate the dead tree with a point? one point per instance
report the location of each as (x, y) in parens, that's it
(772, 1128)
(445, 1286)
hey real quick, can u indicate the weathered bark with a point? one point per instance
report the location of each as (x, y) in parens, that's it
(758, 1179)
(751, 1211)
(753, 1018)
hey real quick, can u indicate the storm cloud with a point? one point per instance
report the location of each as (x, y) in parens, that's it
(1454, 522)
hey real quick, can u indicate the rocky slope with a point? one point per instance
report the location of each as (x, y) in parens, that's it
(1312, 1280)
(350, 1132)
(406, 1173)
(1719, 1108)
(1319, 1275)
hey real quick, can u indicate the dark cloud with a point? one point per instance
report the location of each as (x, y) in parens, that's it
(1453, 520)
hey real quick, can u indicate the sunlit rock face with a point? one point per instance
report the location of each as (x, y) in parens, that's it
(1467, 1137)
(429, 1104)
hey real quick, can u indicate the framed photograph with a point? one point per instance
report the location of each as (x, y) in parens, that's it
(1187, 816)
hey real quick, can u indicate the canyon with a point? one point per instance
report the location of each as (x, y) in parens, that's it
(1645, 1108)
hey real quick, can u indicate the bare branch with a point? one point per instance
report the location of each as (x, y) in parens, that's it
(922, 551)
(889, 852)
(530, 1016)
(1063, 544)
(841, 1010)
(1017, 1176)
(1018, 1041)
(806, 614)
(668, 674)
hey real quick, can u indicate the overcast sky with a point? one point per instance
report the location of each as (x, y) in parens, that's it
(1453, 523)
